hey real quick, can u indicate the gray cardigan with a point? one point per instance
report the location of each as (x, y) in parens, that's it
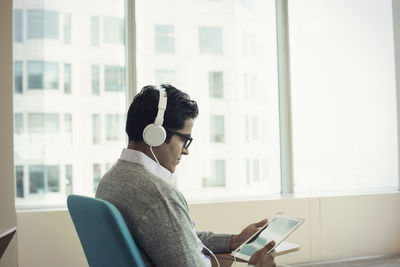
(157, 216)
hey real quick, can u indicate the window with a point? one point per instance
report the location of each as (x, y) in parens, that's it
(57, 91)
(96, 129)
(217, 129)
(96, 176)
(42, 24)
(68, 123)
(42, 75)
(44, 179)
(114, 127)
(95, 26)
(165, 76)
(210, 40)
(217, 174)
(67, 78)
(68, 179)
(43, 123)
(95, 79)
(208, 64)
(18, 77)
(164, 38)
(18, 123)
(343, 104)
(18, 25)
(216, 84)
(114, 78)
(113, 31)
(67, 28)
(19, 179)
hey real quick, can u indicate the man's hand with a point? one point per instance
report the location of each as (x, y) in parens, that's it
(263, 259)
(237, 240)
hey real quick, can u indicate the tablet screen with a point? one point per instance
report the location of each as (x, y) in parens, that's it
(278, 229)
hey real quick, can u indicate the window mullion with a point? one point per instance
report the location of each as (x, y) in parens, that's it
(396, 33)
(285, 111)
(130, 50)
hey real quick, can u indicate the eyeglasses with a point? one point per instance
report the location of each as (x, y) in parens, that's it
(187, 139)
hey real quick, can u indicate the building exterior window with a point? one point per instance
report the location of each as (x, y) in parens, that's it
(217, 174)
(95, 30)
(18, 77)
(67, 78)
(114, 127)
(68, 179)
(210, 40)
(43, 123)
(164, 76)
(96, 176)
(114, 77)
(19, 180)
(18, 123)
(96, 129)
(68, 123)
(18, 22)
(95, 79)
(42, 24)
(67, 28)
(216, 84)
(164, 39)
(44, 179)
(217, 129)
(114, 31)
(42, 75)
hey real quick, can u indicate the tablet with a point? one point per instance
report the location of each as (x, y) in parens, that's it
(278, 229)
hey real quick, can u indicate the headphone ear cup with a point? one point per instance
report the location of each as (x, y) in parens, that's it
(154, 135)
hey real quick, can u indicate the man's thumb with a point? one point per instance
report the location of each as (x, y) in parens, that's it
(269, 246)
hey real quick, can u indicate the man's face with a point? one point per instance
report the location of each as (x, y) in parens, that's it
(170, 154)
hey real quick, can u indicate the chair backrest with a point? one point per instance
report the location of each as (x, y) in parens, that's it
(103, 233)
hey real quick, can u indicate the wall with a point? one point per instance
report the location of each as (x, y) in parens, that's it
(7, 209)
(335, 227)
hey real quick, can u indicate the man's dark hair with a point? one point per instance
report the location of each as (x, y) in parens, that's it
(144, 108)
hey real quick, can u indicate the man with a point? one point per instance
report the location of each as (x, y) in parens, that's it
(159, 125)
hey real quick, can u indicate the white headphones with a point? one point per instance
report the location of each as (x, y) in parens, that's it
(154, 134)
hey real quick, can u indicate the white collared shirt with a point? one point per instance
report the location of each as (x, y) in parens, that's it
(151, 165)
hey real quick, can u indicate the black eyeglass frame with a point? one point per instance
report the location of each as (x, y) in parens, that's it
(188, 139)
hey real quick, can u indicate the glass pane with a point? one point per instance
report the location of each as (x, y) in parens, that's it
(54, 105)
(343, 95)
(96, 175)
(42, 24)
(216, 84)
(114, 78)
(217, 129)
(67, 28)
(18, 77)
(95, 30)
(53, 178)
(217, 174)
(18, 123)
(36, 179)
(18, 25)
(209, 61)
(114, 127)
(96, 129)
(164, 38)
(67, 78)
(19, 179)
(95, 79)
(68, 179)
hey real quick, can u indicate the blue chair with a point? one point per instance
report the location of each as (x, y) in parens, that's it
(103, 233)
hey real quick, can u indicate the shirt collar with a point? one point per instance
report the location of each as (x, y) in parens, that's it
(151, 165)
